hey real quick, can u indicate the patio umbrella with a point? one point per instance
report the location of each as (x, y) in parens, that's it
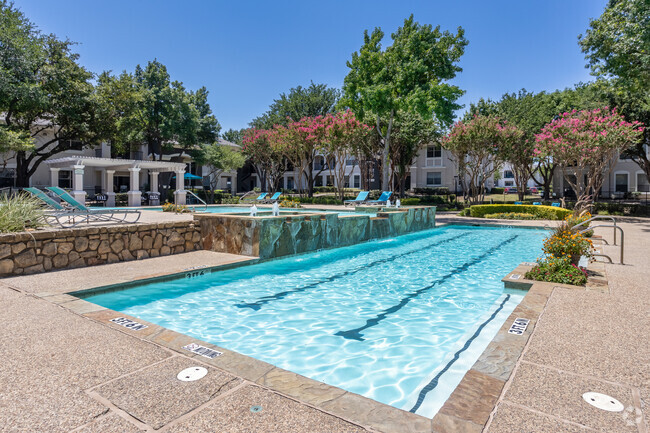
(189, 176)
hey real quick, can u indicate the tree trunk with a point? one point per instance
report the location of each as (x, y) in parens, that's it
(385, 154)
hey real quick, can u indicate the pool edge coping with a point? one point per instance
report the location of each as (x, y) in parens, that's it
(468, 408)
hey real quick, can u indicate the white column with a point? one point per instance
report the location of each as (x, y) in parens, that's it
(134, 195)
(180, 196)
(78, 184)
(54, 176)
(414, 176)
(153, 188)
(108, 188)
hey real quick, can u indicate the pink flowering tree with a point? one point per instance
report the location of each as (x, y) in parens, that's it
(479, 146)
(585, 145)
(344, 134)
(260, 146)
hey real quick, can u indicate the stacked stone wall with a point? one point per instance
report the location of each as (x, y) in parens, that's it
(43, 251)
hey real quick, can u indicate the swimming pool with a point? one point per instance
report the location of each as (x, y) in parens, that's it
(398, 320)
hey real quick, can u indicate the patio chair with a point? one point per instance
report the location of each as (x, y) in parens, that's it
(361, 198)
(555, 204)
(383, 198)
(44, 198)
(90, 215)
(261, 197)
(273, 198)
(537, 203)
(519, 202)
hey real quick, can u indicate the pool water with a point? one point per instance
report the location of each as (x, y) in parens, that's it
(398, 320)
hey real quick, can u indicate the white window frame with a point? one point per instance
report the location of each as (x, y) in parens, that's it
(435, 161)
(627, 175)
(433, 184)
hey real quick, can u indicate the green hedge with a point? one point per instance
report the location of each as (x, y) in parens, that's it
(540, 211)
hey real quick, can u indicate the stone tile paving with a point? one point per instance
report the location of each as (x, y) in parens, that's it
(593, 340)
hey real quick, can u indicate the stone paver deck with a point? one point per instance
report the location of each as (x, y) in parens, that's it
(65, 368)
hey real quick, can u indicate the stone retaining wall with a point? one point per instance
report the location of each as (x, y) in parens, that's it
(42, 251)
(266, 236)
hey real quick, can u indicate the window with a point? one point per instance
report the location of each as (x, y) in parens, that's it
(330, 180)
(508, 183)
(65, 179)
(72, 145)
(357, 181)
(434, 178)
(350, 161)
(346, 182)
(642, 183)
(290, 182)
(507, 174)
(228, 180)
(318, 181)
(434, 151)
(621, 182)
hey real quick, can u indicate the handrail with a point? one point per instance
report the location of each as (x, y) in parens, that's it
(205, 205)
(247, 193)
(615, 228)
(598, 217)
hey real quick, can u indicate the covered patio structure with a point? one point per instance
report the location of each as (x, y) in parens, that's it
(107, 168)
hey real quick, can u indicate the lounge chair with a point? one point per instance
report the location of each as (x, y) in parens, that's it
(555, 204)
(44, 198)
(537, 203)
(361, 198)
(261, 197)
(383, 198)
(90, 215)
(519, 202)
(273, 198)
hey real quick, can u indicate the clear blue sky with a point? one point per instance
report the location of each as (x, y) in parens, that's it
(248, 52)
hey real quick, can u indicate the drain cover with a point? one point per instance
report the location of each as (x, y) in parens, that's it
(192, 374)
(602, 401)
(256, 408)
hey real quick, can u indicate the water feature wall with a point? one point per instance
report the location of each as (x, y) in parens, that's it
(266, 236)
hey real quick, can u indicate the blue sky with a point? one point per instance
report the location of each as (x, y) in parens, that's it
(247, 53)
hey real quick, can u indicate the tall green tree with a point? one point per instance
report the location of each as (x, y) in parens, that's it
(617, 49)
(315, 100)
(234, 136)
(147, 108)
(219, 159)
(42, 89)
(410, 75)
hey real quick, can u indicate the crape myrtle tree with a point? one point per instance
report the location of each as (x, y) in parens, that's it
(617, 48)
(302, 142)
(410, 75)
(479, 146)
(43, 89)
(259, 146)
(343, 134)
(585, 145)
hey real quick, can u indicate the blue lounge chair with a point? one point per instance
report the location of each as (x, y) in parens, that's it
(90, 215)
(537, 203)
(273, 198)
(44, 198)
(261, 198)
(361, 198)
(519, 202)
(555, 204)
(383, 198)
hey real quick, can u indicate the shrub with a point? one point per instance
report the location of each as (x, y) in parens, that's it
(557, 270)
(176, 208)
(19, 213)
(289, 202)
(410, 201)
(541, 212)
(497, 190)
(566, 243)
(443, 190)
(319, 200)
(511, 216)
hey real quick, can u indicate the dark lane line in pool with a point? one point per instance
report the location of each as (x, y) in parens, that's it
(355, 334)
(266, 299)
(434, 382)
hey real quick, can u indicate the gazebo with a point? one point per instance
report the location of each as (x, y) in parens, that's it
(108, 167)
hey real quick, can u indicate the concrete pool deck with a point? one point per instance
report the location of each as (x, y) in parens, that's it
(67, 369)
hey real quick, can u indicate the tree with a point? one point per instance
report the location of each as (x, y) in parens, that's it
(617, 48)
(42, 88)
(219, 159)
(411, 132)
(343, 133)
(259, 145)
(479, 147)
(12, 141)
(234, 136)
(410, 75)
(147, 108)
(315, 100)
(585, 144)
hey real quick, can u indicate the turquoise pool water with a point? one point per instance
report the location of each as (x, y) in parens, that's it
(398, 320)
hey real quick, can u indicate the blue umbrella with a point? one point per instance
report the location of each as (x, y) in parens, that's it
(189, 176)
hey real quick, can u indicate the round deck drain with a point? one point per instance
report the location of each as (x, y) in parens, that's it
(256, 409)
(602, 401)
(191, 374)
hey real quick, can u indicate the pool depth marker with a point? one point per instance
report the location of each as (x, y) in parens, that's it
(355, 334)
(266, 299)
